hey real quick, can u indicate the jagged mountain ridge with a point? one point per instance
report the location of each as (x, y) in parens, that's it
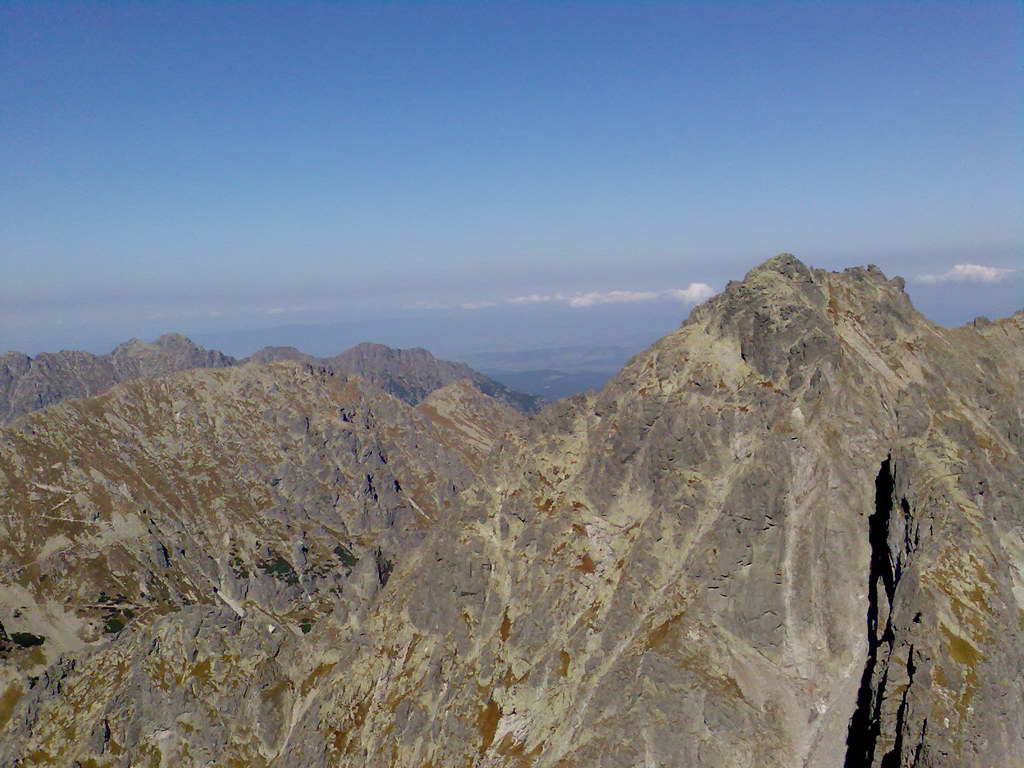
(28, 384)
(787, 534)
(408, 374)
(279, 493)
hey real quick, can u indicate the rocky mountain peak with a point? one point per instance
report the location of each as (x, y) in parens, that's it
(785, 264)
(28, 384)
(408, 374)
(273, 354)
(784, 315)
(168, 342)
(175, 339)
(412, 374)
(170, 352)
(373, 349)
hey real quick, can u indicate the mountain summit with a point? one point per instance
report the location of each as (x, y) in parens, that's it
(28, 384)
(408, 374)
(787, 534)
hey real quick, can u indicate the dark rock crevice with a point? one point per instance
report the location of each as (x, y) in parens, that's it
(886, 569)
(892, 757)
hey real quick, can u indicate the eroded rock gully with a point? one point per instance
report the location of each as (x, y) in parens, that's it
(889, 669)
(788, 534)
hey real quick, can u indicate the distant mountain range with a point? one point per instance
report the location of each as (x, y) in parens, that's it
(556, 372)
(551, 384)
(30, 383)
(575, 358)
(408, 374)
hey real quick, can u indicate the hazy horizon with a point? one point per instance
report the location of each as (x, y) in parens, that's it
(216, 169)
(629, 320)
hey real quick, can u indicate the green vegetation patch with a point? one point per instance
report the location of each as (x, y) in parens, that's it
(115, 619)
(27, 639)
(238, 567)
(115, 614)
(281, 569)
(345, 555)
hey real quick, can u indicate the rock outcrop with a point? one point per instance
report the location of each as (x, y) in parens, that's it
(28, 384)
(788, 534)
(408, 374)
(263, 501)
(171, 352)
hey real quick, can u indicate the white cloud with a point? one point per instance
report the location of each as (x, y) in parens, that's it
(611, 297)
(691, 294)
(694, 293)
(534, 298)
(975, 273)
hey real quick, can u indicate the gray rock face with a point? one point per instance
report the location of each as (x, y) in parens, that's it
(235, 508)
(171, 352)
(408, 374)
(789, 534)
(28, 384)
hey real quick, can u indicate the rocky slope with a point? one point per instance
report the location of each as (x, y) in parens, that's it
(789, 534)
(282, 495)
(28, 384)
(408, 374)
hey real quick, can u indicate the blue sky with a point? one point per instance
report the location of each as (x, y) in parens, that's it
(215, 167)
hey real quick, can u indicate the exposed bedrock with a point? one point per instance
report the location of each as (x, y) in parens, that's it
(788, 534)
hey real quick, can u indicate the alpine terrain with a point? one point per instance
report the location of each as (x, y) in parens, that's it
(790, 533)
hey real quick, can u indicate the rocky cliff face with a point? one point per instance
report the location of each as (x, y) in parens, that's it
(171, 352)
(261, 500)
(28, 384)
(789, 534)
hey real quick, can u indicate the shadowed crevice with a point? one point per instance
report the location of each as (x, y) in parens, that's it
(865, 724)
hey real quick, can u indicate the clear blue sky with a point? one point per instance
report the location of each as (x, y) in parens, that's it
(209, 167)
